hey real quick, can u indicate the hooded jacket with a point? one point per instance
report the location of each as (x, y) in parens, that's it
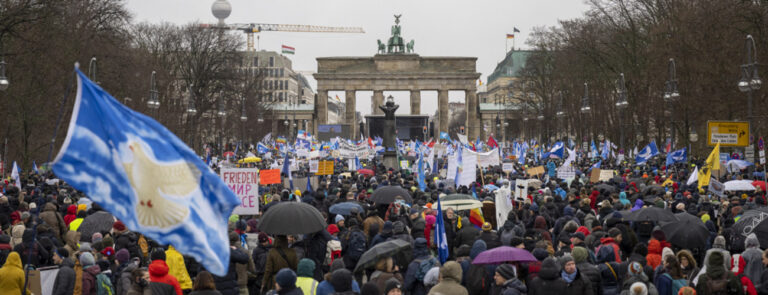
(739, 263)
(715, 270)
(65, 279)
(11, 275)
(158, 273)
(753, 257)
(89, 279)
(610, 242)
(451, 282)
(548, 281)
(51, 217)
(609, 271)
(177, 268)
(654, 253)
(513, 287)
(276, 262)
(71, 215)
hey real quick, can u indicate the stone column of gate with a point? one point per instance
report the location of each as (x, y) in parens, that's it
(473, 123)
(321, 108)
(415, 102)
(442, 106)
(349, 115)
(378, 100)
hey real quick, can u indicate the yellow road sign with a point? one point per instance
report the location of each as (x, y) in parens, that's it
(728, 133)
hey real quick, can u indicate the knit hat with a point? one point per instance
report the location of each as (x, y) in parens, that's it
(85, 246)
(751, 241)
(614, 232)
(338, 218)
(666, 252)
(3, 200)
(123, 256)
(687, 291)
(580, 254)
(306, 268)
(108, 251)
(387, 228)
(579, 235)
(108, 242)
(565, 259)
(487, 226)
(719, 242)
(506, 271)
(341, 280)
(263, 238)
(86, 259)
(540, 254)
(515, 241)
(638, 288)
(118, 226)
(369, 288)
(634, 269)
(398, 227)
(332, 229)
(286, 278)
(96, 238)
(392, 283)
(157, 254)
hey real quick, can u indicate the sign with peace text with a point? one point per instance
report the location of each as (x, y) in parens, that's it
(244, 182)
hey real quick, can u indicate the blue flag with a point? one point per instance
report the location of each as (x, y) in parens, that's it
(594, 150)
(678, 156)
(596, 165)
(647, 153)
(262, 148)
(309, 185)
(145, 176)
(422, 181)
(444, 135)
(34, 167)
(557, 150)
(440, 237)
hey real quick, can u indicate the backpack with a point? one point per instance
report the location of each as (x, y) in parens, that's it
(332, 251)
(718, 286)
(104, 285)
(356, 245)
(424, 267)
(676, 284)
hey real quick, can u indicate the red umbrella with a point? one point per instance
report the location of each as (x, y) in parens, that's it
(760, 183)
(229, 154)
(365, 171)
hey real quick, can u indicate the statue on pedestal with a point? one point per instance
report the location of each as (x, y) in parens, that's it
(390, 152)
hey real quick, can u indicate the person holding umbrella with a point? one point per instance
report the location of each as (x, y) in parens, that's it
(278, 258)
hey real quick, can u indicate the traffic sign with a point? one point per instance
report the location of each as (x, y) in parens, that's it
(728, 133)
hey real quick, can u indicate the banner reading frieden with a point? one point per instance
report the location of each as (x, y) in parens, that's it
(244, 182)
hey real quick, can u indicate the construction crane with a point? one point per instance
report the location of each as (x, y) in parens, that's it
(221, 9)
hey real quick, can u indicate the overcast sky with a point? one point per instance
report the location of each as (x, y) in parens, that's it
(439, 27)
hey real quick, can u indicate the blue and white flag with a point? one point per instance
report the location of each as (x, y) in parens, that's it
(421, 178)
(309, 184)
(440, 236)
(145, 176)
(678, 156)
(34, 167)
(557, 150)
(262, 148)
(606, 150)
(15, 174)
(646, 153)
(444, 135)
(596, 165)
(593, 153)
(287, 169)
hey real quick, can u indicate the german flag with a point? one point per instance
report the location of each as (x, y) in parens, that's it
(510, 36)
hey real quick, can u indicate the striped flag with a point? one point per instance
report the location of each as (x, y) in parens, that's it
(288, 49)
(510, 36)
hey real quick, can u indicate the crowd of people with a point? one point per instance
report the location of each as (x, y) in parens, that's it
(577, 232)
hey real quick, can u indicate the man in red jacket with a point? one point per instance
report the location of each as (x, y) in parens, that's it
(158, 272)
(612, 241)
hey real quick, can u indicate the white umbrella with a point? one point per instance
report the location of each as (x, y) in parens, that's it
(459, 205)
(739, 185)
(735, 165)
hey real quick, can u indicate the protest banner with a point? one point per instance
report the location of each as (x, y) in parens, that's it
(313, 166)
(325, 168)
(566, 172)
(490, 158)
(244, 182)
(535, 171)
(270, 176)
(508, 167)
(606, 175)
(717, 188)
(595, 176)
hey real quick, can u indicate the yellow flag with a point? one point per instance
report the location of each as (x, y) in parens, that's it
(458, 224)
(712, 163)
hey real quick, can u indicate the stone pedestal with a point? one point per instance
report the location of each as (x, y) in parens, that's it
(390, 160)
(473, 125)
(321, 106)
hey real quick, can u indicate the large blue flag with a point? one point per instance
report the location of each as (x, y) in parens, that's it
(557, 150)
(422, 181)
(647, 153)
(34, 167)
(678, 156)
(147, 177)
(440, 237)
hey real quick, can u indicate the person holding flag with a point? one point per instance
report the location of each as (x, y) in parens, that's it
(712, 163)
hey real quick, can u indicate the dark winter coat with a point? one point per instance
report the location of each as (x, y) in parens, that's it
(89, 279)
(227, 284)
(592, 273)
(548, 281)
(716, 270)
(581, 285)
(609, 271)
(491, 239)
(128, 240)
(466, 235)
(65, 279)
(513, 287)
(53, 218)
(276, 262)
(124, 282)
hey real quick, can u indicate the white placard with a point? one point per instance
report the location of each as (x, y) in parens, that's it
(508, 167)
(244, 182)
(313, 164)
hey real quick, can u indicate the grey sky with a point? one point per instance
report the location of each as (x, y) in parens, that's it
(440, 27)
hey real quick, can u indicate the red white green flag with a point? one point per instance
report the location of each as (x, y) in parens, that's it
(288, 50)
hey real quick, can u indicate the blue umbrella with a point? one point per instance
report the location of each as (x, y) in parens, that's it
(491, 187)
(345, 208)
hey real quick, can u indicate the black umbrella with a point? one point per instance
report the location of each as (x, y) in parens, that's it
(398, 249)
(388, 194)
(750, 221)
(653, 189)
(345, 208)
(687, 233)
(604, 187)
(651, 214)
(291, 218)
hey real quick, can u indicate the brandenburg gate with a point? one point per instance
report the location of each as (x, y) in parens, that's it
(397, 68)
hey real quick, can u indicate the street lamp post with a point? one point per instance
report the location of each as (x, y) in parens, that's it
(92, 70)
(4, 83)
(622, 105)
(243, 119)
(750, 80)
(585, 109)
(693, 137)
(560, 114)
(221, 112)
(671, 94)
